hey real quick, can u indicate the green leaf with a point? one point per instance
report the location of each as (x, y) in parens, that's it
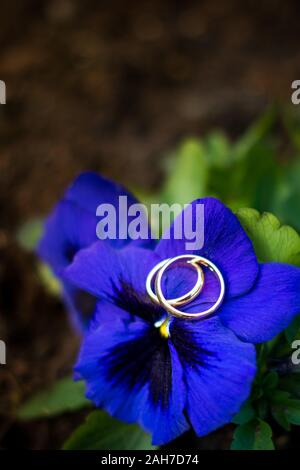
(292, 411)
(29, 234)
(245, 414)
(256, 435)
(245, 173)
(270, 381)
(286, 204)
(291, 383)
(64, 396)
(187, 175)
(272, 241)
(217, 150)
(279, 415)
(102, 432)
(280, 397)
(262, 408)
(291, 122)
(286, 409)
(255, 134)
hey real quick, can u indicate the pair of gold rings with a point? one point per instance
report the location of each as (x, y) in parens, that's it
(155, 277)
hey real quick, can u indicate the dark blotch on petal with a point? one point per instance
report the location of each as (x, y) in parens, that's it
(137, 304)
(69, 252)
(145, 360)
(161, 375)
(188, 349)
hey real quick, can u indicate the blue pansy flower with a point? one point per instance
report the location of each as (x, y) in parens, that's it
(188, 373)
(71, 226)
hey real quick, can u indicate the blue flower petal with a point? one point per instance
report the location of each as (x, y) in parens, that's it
(68, 229)
(164, 418)
(103, 271)
(218, 371)
(269, 308)
(133, 373)
(72, 226)
(225, 243)
(107, 314)
(90, 189)
(73, 222)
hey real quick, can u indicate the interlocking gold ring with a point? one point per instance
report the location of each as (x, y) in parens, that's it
(182, 300)
(170, 304)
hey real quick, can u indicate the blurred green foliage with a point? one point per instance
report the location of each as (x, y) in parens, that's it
(254, 435)
(102, 432)
(65, 396)
(260, 170)
(29, 234)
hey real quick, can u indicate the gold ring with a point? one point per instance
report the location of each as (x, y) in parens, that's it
(170, 304)
(182, 300)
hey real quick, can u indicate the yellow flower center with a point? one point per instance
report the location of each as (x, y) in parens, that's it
(164, 328)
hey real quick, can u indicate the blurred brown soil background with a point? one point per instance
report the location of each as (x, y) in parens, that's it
(110, 86)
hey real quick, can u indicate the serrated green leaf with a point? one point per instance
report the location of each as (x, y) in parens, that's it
(64, 396)
(256, 435)
(272, 241)
(102, 432)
